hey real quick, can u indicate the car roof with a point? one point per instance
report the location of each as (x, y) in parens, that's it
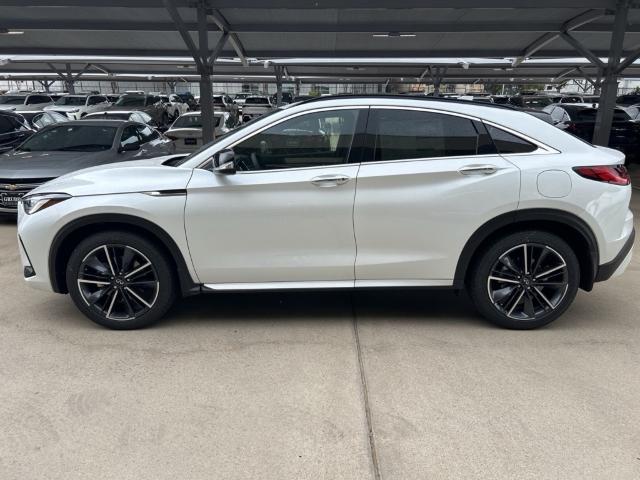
(112, 112)
(102, 122)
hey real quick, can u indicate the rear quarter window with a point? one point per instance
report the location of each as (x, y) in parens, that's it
(506, 142)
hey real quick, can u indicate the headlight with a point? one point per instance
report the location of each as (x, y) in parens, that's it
(35, 203)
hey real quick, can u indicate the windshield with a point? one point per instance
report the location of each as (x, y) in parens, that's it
(590, 114)
(110, 115)
(537, 102)
(11, 100)
(131, 101)
(220, 137)
(193, 121)
(71, 138)
(256, 101)
(77, 101)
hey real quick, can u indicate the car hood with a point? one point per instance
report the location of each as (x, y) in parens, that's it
(126, 177)
(16, 164)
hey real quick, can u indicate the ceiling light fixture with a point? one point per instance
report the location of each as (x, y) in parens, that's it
(393, 35)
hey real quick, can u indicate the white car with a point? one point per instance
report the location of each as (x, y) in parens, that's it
(186, 131)
(174, 105)
(342, 192)
(24, 101)
(77, 106)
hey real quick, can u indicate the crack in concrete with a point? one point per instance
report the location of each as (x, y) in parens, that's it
(365, 394)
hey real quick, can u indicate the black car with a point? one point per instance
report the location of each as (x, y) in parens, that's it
(628, 99)
(580, 120)
(13, 130)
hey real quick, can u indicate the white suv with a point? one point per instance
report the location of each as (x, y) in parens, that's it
(77, 106)
(342, 192)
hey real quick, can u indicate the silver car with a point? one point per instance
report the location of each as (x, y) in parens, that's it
(63, 148)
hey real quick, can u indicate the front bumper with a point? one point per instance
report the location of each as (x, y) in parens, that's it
(617, 266)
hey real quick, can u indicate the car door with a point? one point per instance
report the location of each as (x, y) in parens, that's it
(12, 132)
(286, 217)
(429, 180)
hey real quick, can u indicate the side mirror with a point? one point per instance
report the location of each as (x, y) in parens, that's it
(224, 162)
(129, 147)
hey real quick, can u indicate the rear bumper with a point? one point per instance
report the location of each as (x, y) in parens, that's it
(619, 263)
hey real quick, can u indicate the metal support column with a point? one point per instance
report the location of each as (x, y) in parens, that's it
(278, 71)
(205, 71)
(607, 103)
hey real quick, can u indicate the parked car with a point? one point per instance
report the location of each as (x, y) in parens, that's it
(491, 199)
(239, 98)
(142, 102)
(77, 106)
(628, 99)
(24, 101)
(62, 148)
(14, 130)
(39, 119)
(131, 115)
(255, 106)
(224, 103)
(532, 101)
(189, 99)
(174, 105)
(580, 120)
(186, 131)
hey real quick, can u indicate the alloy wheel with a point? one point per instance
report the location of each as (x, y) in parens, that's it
(528, 281)
(118, 281)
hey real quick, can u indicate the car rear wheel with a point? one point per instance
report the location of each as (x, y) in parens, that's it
(525, 280)
(120, 280)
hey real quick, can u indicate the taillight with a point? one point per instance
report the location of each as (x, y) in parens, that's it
(613, 174)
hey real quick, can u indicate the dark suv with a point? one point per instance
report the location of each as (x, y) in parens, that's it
(13, 130)
(143, 102)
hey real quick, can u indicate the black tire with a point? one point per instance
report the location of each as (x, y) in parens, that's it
(530, 300)
(146, 301)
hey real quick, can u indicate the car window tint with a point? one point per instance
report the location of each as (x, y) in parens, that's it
(33, 99)
(406, 134)
(508, 143)
(73, 138)
(129, 135)
(314, 139)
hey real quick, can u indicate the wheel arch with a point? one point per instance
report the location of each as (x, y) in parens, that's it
(75, 231)
(568, 226)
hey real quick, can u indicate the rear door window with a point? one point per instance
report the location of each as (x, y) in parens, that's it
(406, 134)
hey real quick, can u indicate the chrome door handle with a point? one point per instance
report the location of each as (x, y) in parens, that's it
(478, 170)
(329, 180)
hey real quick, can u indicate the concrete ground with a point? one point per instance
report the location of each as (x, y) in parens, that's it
(289, 386)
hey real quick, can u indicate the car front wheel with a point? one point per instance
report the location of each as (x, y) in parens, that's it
(525, 280)
(120, 280)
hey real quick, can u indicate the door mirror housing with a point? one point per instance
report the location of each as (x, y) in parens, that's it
(224, 162)
(129, 147)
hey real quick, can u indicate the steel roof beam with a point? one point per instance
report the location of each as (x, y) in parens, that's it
(576, 22)
(326, 4)
(439, 27)
(223, 25)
